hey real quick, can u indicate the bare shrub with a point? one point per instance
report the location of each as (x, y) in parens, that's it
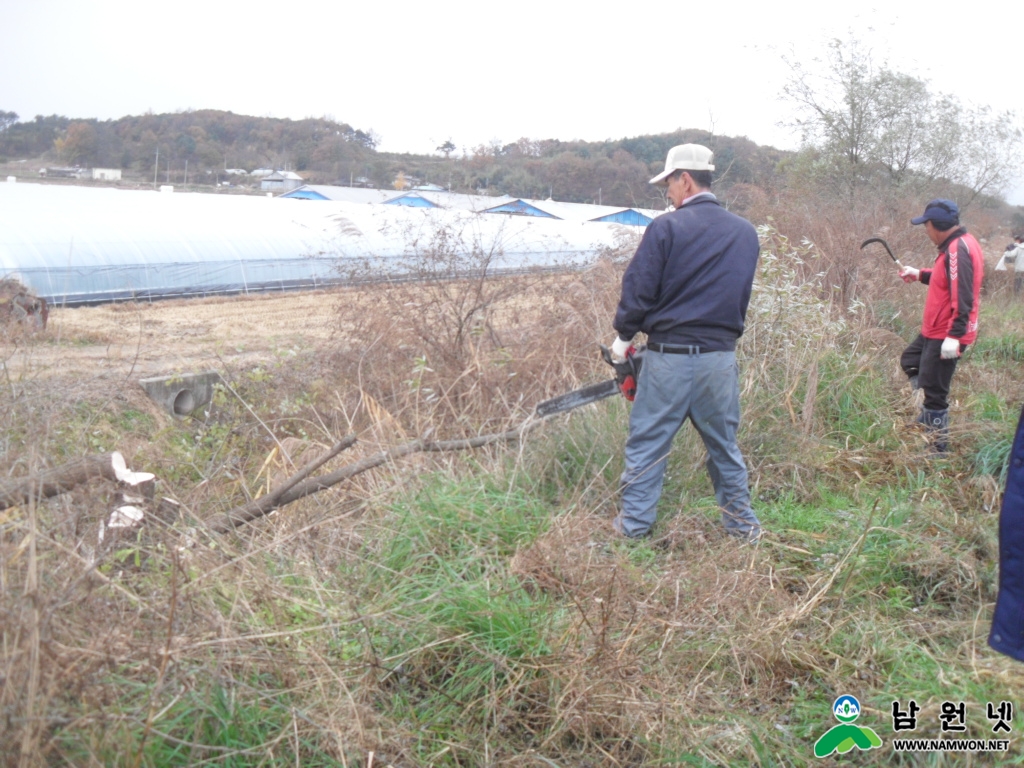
(808, 210)
(628, 626)
(837, 227)
(456, 338)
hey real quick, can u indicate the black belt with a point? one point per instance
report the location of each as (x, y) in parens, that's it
(687, 349)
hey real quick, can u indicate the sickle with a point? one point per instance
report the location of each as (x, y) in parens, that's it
(884, 244)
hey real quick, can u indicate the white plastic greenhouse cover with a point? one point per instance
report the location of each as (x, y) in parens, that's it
(77, 245)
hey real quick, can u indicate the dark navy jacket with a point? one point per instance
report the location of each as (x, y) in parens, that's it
(1007, 634)
(689, 281)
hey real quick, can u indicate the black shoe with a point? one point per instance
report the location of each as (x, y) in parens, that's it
(937, 424)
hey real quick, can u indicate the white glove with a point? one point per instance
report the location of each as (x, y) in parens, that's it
(619, 349)
(909, 274)
(950, 348)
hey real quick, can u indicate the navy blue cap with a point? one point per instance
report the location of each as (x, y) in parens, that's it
(942, 213)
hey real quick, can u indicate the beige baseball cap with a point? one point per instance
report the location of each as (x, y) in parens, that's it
(685, 157)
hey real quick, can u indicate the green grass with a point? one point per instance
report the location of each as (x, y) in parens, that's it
(484, 613)
(897, 319)
(234, 726)
(1004, 348)
(992, 406)
(447, 624)
(786, 513)
(993, 457)
(457, 654)
(853, 404)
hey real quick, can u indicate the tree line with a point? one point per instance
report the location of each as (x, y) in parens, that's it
(865, 125)
(868, 132)
(325, 151)
(210, 140)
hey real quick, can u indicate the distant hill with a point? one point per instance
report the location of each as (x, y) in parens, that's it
(207, 139)
(325, 151)
(613, 172)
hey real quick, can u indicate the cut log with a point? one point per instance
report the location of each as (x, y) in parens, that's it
(270, 502)
(52, 482)
(298, 487)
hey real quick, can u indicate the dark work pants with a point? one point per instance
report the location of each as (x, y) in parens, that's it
(703, 388)
(923, 358)
(1007, 634)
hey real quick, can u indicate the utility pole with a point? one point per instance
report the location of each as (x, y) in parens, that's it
(185, 183)
(156, 167)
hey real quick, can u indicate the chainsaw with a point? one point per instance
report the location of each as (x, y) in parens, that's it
(627, 372)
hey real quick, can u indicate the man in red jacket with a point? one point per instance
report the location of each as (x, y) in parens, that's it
(950, 313)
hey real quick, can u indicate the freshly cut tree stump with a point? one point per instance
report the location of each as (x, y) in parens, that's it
(51, 482)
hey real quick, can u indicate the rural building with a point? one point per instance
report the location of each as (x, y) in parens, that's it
(98, 174)
(588, 212)
(340, 194)
(280, 181)
(633, 217)
(447, 200)
(521, 208)
(551, 209)
(421, 197)
(63, 173)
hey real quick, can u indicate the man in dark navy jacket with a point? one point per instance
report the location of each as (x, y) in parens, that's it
(1008, 622)
(687, 287)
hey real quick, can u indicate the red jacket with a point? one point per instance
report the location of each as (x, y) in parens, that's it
(954, 289)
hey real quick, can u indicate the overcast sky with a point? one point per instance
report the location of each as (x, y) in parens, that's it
(419, 73)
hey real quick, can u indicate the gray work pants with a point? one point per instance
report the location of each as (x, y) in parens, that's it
(673, 387)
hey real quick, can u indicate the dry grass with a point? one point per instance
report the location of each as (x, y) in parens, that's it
(478, 610)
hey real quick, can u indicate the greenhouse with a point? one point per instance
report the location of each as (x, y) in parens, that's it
(78, 245)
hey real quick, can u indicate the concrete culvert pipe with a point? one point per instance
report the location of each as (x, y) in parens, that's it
(182, 393)
(184, 403)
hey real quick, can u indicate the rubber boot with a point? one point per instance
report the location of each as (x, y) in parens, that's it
(937, 423)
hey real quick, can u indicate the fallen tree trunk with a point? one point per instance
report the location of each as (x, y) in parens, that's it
(290, 490)
(51, 482)
(273, 499)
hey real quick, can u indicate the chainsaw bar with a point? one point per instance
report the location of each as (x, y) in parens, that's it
(578, 397)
